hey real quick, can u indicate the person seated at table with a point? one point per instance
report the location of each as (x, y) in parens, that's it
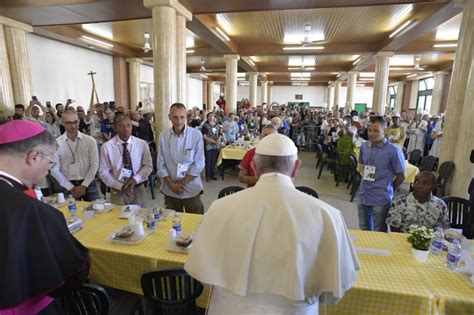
(40, 259)
(230, 128)
(246, 174)
(125, 164)
(272, 249)
(419, 207)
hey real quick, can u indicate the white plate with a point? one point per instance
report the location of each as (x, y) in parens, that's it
(124, 214)
(107, 208)
(172, 247)
(133, 240)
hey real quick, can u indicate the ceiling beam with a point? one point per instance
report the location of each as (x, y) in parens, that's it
(329, 49)
(327, 68)
(42, 3)
(222, 6)
(286, 78)
(203, 26)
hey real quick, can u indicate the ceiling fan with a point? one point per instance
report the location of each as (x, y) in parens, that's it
(203, 68)
(417, 63)
(306, 41)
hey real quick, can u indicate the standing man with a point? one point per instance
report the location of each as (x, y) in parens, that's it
(40, 259)
(180, 163)
(125, 164)
(272, 249)
(107, 125)
(77, 160)
(383, 171)
(19, 112)
(396, 133)
(417, 130)
(211, 133)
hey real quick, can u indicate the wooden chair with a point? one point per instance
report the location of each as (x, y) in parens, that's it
(460, 215)
(308, 191)
(171, 291)
(229, 191)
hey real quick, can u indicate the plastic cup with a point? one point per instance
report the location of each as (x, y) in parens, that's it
(61, 198)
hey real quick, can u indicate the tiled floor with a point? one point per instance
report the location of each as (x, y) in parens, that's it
(338, 197)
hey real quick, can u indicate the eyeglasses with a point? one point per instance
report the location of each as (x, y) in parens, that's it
(52, 162)
(75, 122)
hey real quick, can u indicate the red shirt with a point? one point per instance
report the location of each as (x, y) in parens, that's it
(245, 163)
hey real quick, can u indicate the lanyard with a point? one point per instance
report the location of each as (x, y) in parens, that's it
(373, 154)
(75, 151)
(184, 147)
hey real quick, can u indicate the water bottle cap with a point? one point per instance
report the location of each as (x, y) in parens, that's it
(456, 241)
(439, 228)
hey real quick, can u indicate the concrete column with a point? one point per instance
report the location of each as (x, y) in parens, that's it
(210, 95)
(6, 91)
(270, 92)
(253, 88)
(231, 82)
(381, 82)
(264, 86)
(437, 92)
(328, 97)
(351, 87)
(331, 87)
(20, 71)
(164, 56)
(337, 91)
(134, 81)
(458, 133)
(181, 59)
(399, 100)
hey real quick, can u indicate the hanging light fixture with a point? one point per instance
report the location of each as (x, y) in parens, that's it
(147, 46)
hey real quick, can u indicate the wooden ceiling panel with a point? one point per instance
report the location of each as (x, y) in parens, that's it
(447, 31)
(309, 60)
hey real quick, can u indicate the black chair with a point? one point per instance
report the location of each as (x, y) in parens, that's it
(355, 177)
(90, 299)
(444, 171)
(154, 174)
(308, 191)
(319, 155)
(53, 185)
(229, 191)
(329, 160)
(342, 168)
(460, 215)
(415, 157)
(171, 291)
(427, 163)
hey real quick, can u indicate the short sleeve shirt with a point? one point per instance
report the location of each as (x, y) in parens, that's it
(245, 163)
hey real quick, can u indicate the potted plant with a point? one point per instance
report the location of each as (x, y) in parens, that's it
(420, 240)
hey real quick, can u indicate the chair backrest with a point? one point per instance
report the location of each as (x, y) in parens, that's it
(308, 191)
(354, 163)
(459, 214)
(444, 171)
(415, 157)
(90, 299)
(229, 191)
(172, 290)
(319, 151)
(154, 160)
(427, 163)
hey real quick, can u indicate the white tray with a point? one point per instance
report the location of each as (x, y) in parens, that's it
(107, 208)
(133, 240)
(172, 247)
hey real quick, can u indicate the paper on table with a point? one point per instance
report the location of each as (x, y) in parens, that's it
(372, 251)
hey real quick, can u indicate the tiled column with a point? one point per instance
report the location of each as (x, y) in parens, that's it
(210, 95)
(181, 58)
(231, 82)
(164, 56)
(253, 88)
(437, 92)
(270, 92)
(399, 100)
(331, 87)
(264, 86)
(6, 92)
(337, 91)
(351, 87)
(20, 71)
(381, 82)
(134, 81)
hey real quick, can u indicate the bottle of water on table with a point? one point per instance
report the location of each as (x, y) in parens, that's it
(177, 224)
(72, 207)
(454, 255)
(437, 242)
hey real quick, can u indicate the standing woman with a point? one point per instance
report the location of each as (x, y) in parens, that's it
(437, 136)
(51, 124)
(211, 133)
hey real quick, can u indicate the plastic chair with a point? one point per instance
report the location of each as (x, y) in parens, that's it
(153, 177)
(329, 160)
(444, 171)
(90, 299)
(308, 191)
(460, 216)
(171, 291)
(319, 154)
(415, 157)
(427, 163)
(342, 168)
(355, 179)
(229, 191)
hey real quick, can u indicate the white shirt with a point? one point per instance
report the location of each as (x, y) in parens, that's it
(75, 160)
(111, 161)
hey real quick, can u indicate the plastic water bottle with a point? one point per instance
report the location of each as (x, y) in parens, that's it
(454, 255)
(437, 242)
(150, 221)
(71, 206)
(177, 224)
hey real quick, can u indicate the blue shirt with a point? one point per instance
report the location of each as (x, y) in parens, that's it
(188, 149)
(429, 128)
(388, 160)
(231, 133)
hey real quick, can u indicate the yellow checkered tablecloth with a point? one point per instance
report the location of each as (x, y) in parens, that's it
(231, 153)
(393, 284)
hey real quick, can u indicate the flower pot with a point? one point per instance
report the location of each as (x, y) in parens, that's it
(420, 255)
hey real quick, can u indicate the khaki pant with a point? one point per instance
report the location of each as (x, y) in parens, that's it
(192, 205)
(138, 197)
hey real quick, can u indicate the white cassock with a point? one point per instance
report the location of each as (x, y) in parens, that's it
(417, 136)
(437, 142)
(272, 249)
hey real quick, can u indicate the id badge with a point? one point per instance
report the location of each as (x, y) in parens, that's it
(74, 169)
(125, 174)
(369, 173)
(182, 170)
(214, 130)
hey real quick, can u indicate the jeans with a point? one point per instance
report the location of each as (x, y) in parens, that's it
(211, 157)
(372, 218)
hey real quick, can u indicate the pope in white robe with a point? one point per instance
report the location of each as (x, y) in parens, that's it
(272, 249)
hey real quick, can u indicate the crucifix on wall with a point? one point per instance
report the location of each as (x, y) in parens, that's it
(94, 91)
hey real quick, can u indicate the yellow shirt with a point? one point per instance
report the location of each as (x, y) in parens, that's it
(396, 135)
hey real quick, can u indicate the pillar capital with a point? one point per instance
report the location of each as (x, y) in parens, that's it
(353, 72)
(384, 54)
(137, 60)
(441, 73)
(232, 57)
(252, 73)
(13, 23)
(179, 8)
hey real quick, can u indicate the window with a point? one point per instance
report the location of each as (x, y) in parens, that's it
(393, 97)
(425, 92)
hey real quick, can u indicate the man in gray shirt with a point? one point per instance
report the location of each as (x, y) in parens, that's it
(180, 163)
